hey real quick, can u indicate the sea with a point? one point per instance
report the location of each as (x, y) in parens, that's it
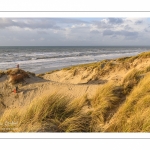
(41, 59)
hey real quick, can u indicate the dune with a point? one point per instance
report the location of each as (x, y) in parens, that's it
(91, 97)
(32, 86)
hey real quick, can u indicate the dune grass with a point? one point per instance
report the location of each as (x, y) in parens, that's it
(133, 115)
(105, 103)
(132, 58)
(132, 79)
(116, 107)
(56, 113)
(105, 67)
(144, 55)
(32, 118)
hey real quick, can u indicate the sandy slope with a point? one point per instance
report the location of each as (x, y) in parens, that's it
(79, 75)
(34, 87)
(72, 82)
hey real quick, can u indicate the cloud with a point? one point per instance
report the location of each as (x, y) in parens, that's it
(147, 29)
(42, 32)
(139, 22)
(108, 32)
(73, 31)
(28, 23)
(122, 33)
(6, 22)
(109, 23)
(39, 23)
(102, 24)
(115, 20)
(127, 27)
(95, 32)
(70, 20)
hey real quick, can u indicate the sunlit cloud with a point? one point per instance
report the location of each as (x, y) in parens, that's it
(74, 31)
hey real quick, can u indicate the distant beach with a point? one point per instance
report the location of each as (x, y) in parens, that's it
(40, 59)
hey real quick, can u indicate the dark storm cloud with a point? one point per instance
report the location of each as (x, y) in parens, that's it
(122, 33)
(115, 20)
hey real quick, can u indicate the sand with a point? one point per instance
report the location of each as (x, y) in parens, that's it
(73, 83)
(35, 86)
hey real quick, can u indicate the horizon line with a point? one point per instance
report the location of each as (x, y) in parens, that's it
(73, 45)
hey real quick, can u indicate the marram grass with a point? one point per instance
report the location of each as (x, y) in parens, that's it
(116, 107)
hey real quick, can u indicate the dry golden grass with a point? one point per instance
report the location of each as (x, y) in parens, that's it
(105, 103)
(131, 80)
(58, 113)
(17, 75)
(133, 58)
(144, 55)
(116, 107)
(79, 123)
(33, 117)
(78, 116)
(107, 66)
(133, 115)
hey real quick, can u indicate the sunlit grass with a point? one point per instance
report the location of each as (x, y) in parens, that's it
(116, 107)
(134, 116)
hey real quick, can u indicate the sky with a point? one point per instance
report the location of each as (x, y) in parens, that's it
(74, 32)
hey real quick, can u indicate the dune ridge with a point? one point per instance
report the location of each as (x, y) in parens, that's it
(107, 96)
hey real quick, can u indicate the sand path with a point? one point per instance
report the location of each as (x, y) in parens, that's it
(35, 87)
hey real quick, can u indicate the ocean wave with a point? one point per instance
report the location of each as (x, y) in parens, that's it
(62, 58)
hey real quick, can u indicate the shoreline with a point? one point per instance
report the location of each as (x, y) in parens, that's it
(38, 61)
(48, 70)
(44, 70)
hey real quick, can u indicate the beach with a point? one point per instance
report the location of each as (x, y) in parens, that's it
(79, 83)
(41, 59)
